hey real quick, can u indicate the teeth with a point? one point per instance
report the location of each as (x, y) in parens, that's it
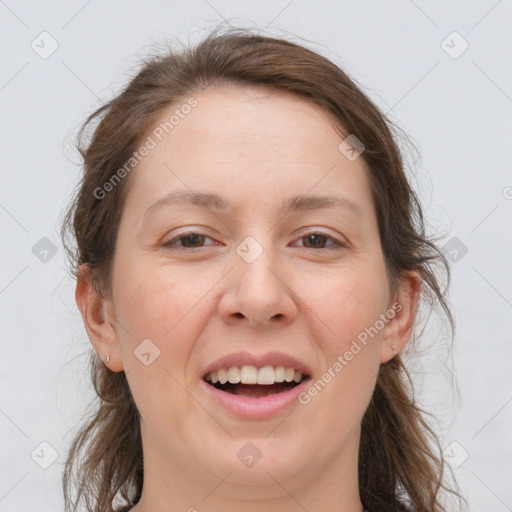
(288, 374)
(248, 374)
(279, 373)
(222, 374)
(234, 375)
(266, 375)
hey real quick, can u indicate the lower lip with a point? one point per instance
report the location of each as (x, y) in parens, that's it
(253, 408)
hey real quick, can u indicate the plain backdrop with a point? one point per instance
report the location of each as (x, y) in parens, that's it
(441, 70)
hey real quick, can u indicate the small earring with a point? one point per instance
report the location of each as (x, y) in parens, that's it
(107, 359)
(394, 351)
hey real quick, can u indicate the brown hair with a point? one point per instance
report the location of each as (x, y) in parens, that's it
(400, 464)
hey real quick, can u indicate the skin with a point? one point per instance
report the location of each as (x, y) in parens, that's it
(256, 147)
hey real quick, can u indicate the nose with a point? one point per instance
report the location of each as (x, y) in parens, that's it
(259, 294)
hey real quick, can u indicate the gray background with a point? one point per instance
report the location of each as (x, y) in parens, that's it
(456, 107)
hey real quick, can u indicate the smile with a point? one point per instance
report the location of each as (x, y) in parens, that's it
(251, 392)
(253, 382)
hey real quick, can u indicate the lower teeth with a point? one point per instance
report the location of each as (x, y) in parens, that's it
(255, 391)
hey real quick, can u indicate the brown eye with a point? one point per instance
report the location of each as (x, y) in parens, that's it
(317, 240)
(190, 240)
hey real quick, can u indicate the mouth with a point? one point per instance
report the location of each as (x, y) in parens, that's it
(253, 382)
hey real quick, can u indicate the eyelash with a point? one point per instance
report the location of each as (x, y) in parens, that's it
(170, 245)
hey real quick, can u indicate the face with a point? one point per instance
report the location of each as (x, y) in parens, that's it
(195, 281)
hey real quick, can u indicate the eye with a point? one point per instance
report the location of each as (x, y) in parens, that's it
(190, 240)
(195, 240)
(318, 239)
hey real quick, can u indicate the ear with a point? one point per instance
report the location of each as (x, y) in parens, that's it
(99, 320)
(399, 328)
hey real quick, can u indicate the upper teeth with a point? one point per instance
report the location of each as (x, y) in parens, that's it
(252, 375)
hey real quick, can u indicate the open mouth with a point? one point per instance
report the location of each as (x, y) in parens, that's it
(254, 390)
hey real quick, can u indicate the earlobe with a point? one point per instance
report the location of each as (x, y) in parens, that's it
(95, 310)
(399, 329)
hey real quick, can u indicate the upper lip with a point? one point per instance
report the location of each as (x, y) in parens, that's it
(268, 359)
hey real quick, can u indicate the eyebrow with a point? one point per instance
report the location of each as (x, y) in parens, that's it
(293, 204)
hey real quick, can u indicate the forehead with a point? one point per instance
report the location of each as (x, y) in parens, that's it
(252, 143)
(247, 118)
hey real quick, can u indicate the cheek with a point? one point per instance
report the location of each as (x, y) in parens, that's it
(340, 395)
(151, 301)
(156, 332)
(168, 306)
(152, 339)
(348, 305)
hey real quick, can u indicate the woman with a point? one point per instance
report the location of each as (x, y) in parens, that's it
(250, 260)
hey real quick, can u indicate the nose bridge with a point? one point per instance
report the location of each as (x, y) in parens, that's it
(259, 290)
(258, 265)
